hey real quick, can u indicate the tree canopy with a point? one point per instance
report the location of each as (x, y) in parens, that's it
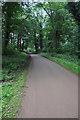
(41, 26)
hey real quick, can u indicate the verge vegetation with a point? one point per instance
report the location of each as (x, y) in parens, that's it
(15, 69)
(67, 61)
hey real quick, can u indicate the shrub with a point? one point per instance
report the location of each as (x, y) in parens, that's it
(10, 50)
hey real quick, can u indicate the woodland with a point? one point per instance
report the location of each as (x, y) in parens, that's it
(50, 29)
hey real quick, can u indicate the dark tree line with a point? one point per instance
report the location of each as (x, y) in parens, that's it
(45, 26)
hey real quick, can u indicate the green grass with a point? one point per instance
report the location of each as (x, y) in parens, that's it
(14, 69)
(68, 64)
(12, 65)
(11, 96)
(67, 61)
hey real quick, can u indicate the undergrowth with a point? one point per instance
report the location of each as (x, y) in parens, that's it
(68, 61)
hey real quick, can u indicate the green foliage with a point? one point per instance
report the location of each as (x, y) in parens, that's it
(12, 64)
(11, 96)
(44, 27)
(54, 26)
(74, 8)
(13, 67)
(67, 64)
(10, 50)
(70, 62)
(68, 57)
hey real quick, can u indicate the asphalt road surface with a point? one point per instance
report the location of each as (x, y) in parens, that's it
(51, 91)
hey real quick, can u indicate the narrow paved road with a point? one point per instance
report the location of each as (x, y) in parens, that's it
(51, 91)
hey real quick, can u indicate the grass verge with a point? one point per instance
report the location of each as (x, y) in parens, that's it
(12, 65)
(70, 64)
(11, 96)
(12, 89)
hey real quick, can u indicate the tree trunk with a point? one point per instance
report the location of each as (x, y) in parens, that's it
(7, 39)
(23, 46)
(18, 42)
(20, 45)
(57, 39)
(41, 39)
(11, 39)
(35, 42)
(52, 23)
(79, 41)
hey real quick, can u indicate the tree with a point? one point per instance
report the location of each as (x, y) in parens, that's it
(74, 8)
(48, 27)
(9, 12)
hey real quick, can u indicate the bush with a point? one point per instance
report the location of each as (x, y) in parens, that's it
(10, 50)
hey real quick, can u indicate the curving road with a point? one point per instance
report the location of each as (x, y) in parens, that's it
(51, 91)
